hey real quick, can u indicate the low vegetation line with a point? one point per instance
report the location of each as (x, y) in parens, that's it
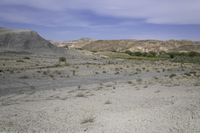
(183, 57)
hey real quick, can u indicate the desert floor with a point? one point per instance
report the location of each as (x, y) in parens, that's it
(97, 95)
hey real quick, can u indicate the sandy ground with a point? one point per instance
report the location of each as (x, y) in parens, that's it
(96, 95)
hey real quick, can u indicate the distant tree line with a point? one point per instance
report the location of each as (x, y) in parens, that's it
(142, 54)
(164, 54)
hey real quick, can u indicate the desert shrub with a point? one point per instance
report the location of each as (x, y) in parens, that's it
(163, 54)
(138, 70)
(88, 120)
(38, 71)
(19, 60)
(79, 86)
(151, 54)
(158, 91)
(24, 77)
(96, 72)
(117, 73)
(11, 71)
(193, 54)
(187, 74)
(113, 50)
(134, 53)
(104, 72)
(190, 57)
(172, 75)
(45, 72)
(155, 77)
(80, 95)
(144, 54)
(51, 75)
(138, 53)
(108, 102)
(62, 59)
(27, 58)
(73, 72)
(171, 55)
(146, 86)
(128, 52)
(187, 59)
(57, 65)
(138, 80)
(183, 54)
(129, 82)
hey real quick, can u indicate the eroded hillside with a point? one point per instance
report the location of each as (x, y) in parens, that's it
(136, 45)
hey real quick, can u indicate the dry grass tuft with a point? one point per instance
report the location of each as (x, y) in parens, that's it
(130, 82)
(24, 77)
(88, 120)
(80, 95)
(108, 102)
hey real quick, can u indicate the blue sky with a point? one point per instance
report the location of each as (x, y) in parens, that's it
(104, 19)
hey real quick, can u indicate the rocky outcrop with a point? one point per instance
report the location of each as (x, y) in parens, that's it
(26, 40)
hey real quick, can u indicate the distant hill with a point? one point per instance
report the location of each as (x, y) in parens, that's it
(72, 44)
(137, 45)
(26, 40)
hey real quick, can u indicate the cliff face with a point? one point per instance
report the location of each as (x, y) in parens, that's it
(25, 40)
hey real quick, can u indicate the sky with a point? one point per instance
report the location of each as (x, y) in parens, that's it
(104, 19)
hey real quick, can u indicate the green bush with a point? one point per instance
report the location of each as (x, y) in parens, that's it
(186, 54)
(190, 57)
(171, 55)
(151, 54)
(193, 54)
(175, 54)
(128, 52)
(138, 53)
(144, 54)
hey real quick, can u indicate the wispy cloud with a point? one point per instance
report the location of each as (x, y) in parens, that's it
(27, 15)
(152, 11)
(102, 18)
